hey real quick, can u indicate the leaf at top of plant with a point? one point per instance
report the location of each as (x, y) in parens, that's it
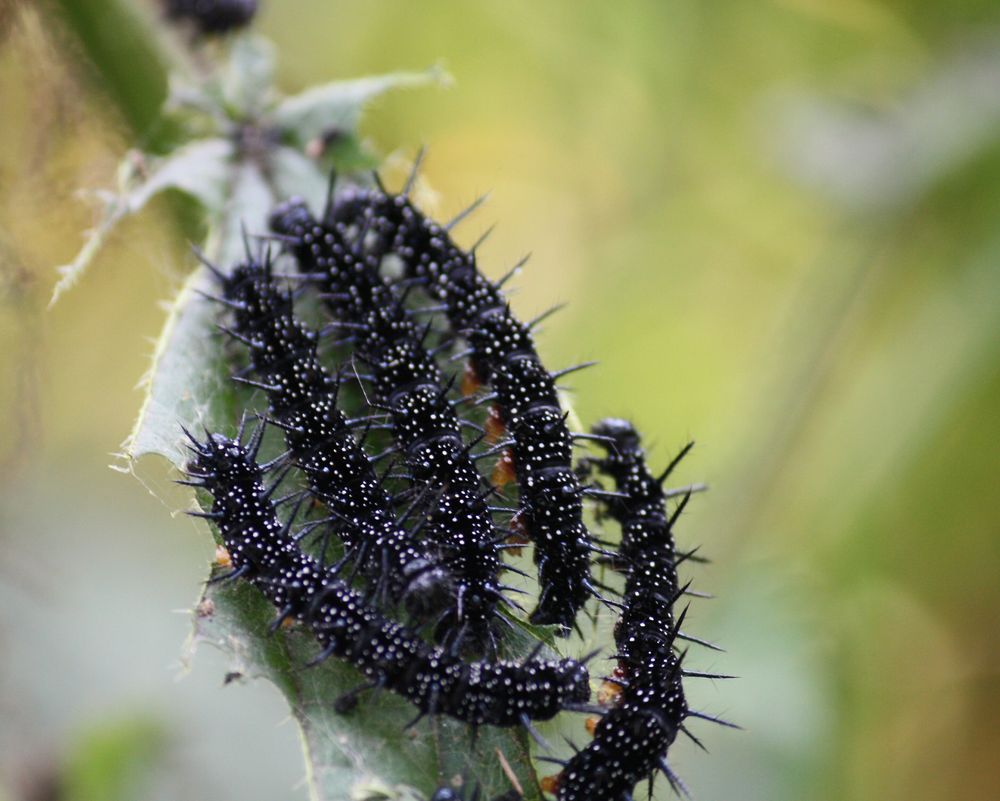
(200, 169)
(337, 106)
(246, 80)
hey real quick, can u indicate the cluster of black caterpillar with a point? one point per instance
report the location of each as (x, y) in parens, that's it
(502, 355)
(284, 362)
(408, 384)
(388, 655)
(420, 534)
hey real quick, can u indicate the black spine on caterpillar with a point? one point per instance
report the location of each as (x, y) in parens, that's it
(213, 16)
(303, 403)
(389, 655)
(410, 386)
(503, 354)
(631, 740)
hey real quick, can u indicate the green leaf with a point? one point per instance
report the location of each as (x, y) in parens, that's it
(200, 169)
(337, 106)
(244, 214)
(367, 753)
(188, 383)
(293, 174)
(247, 79)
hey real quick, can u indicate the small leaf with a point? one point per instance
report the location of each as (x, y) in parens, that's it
(337, 106)
(246, 82)
(199, 169)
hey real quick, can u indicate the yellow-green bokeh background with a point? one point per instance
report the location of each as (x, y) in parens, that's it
(777, 226)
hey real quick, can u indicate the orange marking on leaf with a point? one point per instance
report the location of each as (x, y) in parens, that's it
(518, 535)
(471, 382)
(503, 471)
(495, 426)
(222, 557)
(609, 694)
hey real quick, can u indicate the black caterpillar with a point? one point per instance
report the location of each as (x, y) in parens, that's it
(647, 553)
(503, 354)
(409, 385)
(303, 403)
(213, 16)
(645, 707)
(389, 655)
(632, 738)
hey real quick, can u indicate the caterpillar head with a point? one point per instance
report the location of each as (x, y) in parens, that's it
(217, 460)
(622, 434)
(291, 218)
(577, 680)
(351, 205)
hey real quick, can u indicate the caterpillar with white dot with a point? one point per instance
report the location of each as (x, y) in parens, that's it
(502, 355)
(389, 655)
(409, 385)
(647, 703)
(303, 394)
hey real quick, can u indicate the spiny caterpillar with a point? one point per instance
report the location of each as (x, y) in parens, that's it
(409, 385)
(303, 404)
(647, 703)
(502, 354)
(446, 563)
(437, 681)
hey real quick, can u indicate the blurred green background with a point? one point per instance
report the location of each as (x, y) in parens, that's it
(777, 226)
